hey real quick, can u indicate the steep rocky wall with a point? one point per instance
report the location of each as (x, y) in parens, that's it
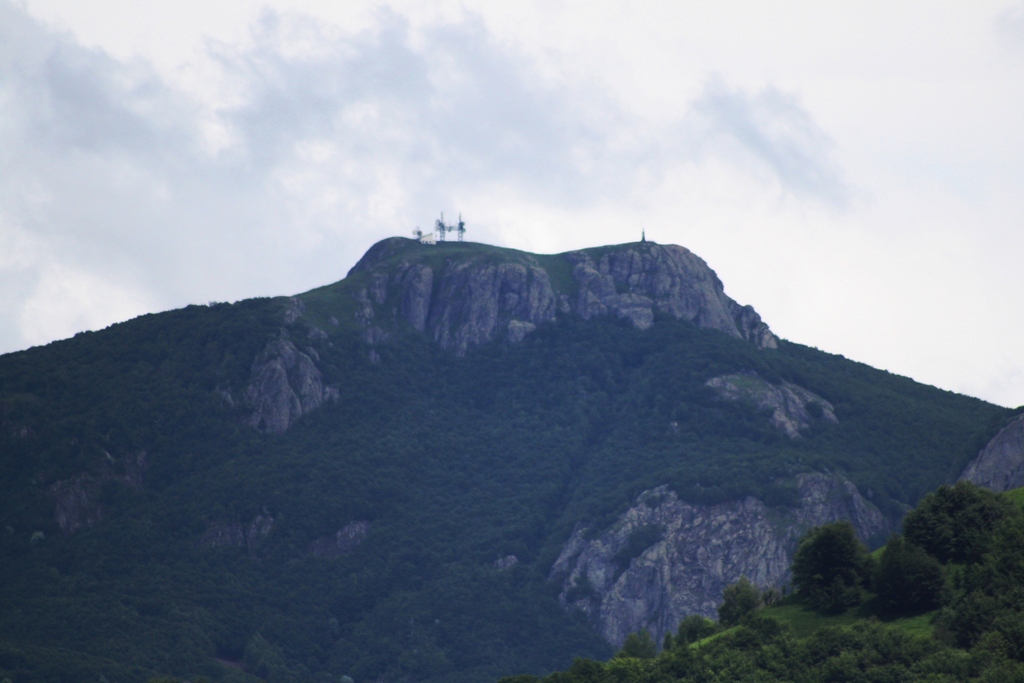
(473, 299)
(1000, 464)
(691, 552)
(284, 384)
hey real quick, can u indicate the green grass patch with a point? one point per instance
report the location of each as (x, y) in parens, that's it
(713, 637)
(1016, 495)
(920, 625)
(805, 621)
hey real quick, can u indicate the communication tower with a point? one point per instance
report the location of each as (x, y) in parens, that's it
(442, 228)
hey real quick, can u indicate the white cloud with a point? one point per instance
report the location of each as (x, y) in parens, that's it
(267, 163)
(67, 300)
(319, 141)
(1009, 28)
(772, 130)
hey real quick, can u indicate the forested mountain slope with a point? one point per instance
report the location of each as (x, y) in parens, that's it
(940, 603)
(376, 478)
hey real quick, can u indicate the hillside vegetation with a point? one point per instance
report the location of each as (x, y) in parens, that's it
(966, 623)
(147, 529)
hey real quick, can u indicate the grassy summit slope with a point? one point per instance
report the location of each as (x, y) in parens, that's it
(453, 462)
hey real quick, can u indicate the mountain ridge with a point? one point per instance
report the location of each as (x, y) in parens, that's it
(486, 290)
(306, 490)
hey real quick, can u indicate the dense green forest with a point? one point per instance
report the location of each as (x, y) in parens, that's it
(942, 602)
(452, 463)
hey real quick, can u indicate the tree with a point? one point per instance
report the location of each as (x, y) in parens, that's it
(739, 600)
(907, 578)
(639, 645)
(955, 523)
(693, 628)
(830, 567)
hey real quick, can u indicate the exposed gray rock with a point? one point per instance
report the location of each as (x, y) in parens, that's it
(226, 397)
(76, 503)
(751, 327)
(417, 283)
(284, 384)
(342, 542)
(474, 299)
(793, 407)
(373, 335)
(671, 279)
(691, 552)
(295, 309)
(517, 330)
(1000, 464)
(249, 536)
(77, 499)
(22, 432)
(507, 562)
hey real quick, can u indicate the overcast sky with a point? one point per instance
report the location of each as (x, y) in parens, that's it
(855, 171)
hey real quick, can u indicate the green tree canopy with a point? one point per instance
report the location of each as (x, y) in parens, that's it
(955, 523)
(739, 600)
(639, 645)
(907, 578)
(830, 567)
(693, 628)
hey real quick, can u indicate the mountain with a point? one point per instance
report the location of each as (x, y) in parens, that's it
(941, 602)
(1000, 464)
(457, 463)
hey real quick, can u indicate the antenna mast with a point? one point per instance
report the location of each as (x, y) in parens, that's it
(442, 228)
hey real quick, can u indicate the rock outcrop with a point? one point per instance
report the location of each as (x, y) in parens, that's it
(284, 384)
(341, 542)
(793, 407)
(474, 298)
(249, 536)
(665, 559)
(76, 500)
(1000, 464)
(507, 562)
(480, 294)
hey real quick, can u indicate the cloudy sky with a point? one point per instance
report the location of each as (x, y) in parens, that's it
(855, 171)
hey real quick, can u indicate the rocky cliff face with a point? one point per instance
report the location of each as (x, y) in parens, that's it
(1000, 464)
(665, 559)
(284, 384)
(478, 294)
(793, 408)
(477, 297)
(77, 499)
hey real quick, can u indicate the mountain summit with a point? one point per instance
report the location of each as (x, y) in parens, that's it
(458, 462)
(464, 295)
